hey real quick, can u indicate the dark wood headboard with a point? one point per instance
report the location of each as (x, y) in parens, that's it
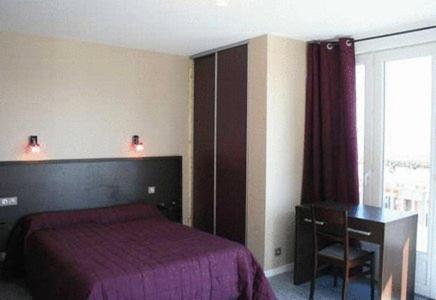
(53, 185)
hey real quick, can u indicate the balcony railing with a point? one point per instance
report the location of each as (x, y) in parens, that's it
(407, 188)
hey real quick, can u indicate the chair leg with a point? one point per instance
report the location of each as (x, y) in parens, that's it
(372, 276)
(312, 282)
(312, 286)
(345, 283)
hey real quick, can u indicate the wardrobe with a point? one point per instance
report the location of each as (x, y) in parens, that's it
(220, 143)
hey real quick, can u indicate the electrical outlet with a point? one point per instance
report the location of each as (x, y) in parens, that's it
(278, 251)
(151, 189)
(8, 201)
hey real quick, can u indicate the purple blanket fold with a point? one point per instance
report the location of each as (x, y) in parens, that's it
(135, 256)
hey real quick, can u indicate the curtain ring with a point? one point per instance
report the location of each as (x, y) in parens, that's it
(348, 43)
(329, 46)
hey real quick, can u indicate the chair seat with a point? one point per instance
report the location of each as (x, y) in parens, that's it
(336, 251)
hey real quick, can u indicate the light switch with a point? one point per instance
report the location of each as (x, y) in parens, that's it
(151, 189)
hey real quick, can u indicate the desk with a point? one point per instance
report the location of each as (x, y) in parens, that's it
(395, 233)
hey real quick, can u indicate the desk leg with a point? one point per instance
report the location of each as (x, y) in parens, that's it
(303, 260)
(397, 266)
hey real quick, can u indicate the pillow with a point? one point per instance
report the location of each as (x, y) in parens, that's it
(103, 215)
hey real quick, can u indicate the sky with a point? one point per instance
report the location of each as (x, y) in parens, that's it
(407, 130)
(408, 109)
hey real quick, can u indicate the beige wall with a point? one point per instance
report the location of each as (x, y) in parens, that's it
(188, 163)
(85, 100)
(276, 102)
(285, 144)
(256, 145)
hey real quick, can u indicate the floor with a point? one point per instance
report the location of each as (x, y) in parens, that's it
(358, 289)
(13, 291)
(284, 289)
(280, 283)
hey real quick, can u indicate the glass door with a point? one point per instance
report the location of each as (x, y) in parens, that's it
(398, 151)
(407, 148)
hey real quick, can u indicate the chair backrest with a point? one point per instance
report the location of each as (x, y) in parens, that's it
(330, 224)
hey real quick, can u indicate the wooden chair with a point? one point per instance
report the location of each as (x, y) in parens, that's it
(331, 225)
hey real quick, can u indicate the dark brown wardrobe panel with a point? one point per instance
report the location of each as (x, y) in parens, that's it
(220, 139)
(204, 139)
(231, 143)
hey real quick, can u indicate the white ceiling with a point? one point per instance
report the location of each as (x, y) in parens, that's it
(191, 26)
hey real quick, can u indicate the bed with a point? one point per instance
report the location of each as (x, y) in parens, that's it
(129, 252)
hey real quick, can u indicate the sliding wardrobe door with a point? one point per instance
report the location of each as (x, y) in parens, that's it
(204, 143)
(231, 143)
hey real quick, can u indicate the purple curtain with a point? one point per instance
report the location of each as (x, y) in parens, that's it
(330, 149)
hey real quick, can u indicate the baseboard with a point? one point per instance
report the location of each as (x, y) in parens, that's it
(279, 270)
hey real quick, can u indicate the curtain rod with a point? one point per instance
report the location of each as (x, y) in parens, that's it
(394, 33)
(356, 40)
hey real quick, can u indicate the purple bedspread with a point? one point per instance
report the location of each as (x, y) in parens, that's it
(143, 256)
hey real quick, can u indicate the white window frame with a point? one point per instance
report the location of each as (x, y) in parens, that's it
(369, 132)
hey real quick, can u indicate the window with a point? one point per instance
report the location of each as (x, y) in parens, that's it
(396, 136)
(407, 137)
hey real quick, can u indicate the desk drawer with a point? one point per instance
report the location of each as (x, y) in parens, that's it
(365, 230)
(359, 229)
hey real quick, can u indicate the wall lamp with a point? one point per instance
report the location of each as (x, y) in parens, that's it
(33, 144)
(136, 144)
